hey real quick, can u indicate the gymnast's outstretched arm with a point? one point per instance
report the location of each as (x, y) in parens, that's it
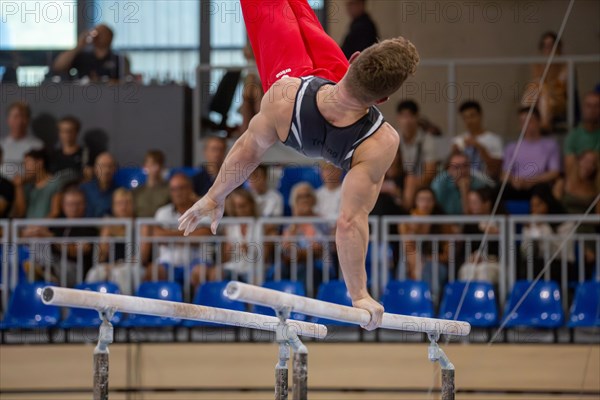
(242, 159)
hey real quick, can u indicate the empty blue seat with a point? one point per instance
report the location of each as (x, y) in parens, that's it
(540, 309)
(130, 177)
(85, 318)
(169, 291)
(334, 292)
(585, 311)
(293, 175)
(292, 287)
(212, 294)
(478, 306)
(408, 298)
(26, 309)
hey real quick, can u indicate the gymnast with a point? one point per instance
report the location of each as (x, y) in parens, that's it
(323, 106)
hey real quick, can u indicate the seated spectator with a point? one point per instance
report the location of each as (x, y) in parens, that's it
(155, 192)
(70, 157)
(7, 192)
(215, 150)
(484, 148)
(551, 96)
(269, 201)
(578, 189)
(481, 264)
(419, 266)
(452, 186)
(417, 148)
(99, 63)
(178, 256)
(329, 196)
(537, 160)
(99, 191)
(543, 238)
(37, 193)
(116, 263)
(19, 141)
(587, 135)
(73, 207)
(301, 239)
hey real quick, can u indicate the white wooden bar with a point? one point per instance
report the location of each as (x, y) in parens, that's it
(322, 309)
(58, 296)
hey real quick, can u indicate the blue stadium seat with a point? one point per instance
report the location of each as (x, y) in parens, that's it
(292, 175)
(541, 308)
(585, 311)
(85, 318)
(478, 307)
(130, 177)
(517, 207)
(169, 291)
(211, 294)
(26, 309)
(408, 298)
(188, 171)
(292, 287)
(333, 292)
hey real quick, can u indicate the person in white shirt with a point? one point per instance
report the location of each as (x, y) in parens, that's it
(484, 148)
(18, 142)
(329, 195)
(268, 201)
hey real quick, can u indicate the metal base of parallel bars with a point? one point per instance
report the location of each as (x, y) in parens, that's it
(437, 354)
(105, 337)
(287, 338)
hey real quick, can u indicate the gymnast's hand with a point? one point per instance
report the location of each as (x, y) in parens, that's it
(205, 207)
(374, 308)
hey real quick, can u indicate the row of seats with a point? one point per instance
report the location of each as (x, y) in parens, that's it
(539, 308)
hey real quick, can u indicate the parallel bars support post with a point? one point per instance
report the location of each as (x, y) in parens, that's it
(101, 355)
(437, 354)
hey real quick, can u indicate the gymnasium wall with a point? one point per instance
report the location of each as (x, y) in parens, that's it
(479, 29)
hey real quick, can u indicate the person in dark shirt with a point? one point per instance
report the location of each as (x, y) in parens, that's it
(7, 192)
(99, 191)
(70, 157)
(363, 32)
(98, 64)
(215, 149)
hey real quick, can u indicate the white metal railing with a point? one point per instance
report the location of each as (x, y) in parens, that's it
(454, 238)
(41, 247)
(5, 244)
(570, 252)
(291, 244)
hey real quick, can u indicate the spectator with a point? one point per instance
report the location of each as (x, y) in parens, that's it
(37, 193)
(19, 141)
(537, 161)
(580, 187)
(587, 135)
(268, 201)
(302, 239)
(178, 256)
(484, 148)
(543, 238)
(99, 191)
(7, 192)
(115, 265)
(420, 266)
(362, 32)
(252, 93)
(215, 149)
(98, 64)
(329, 196)
(452, 186)
(155, 192)
(552, 95)
(417, 150)
(481, 265)
(73, 207)
(70, 156)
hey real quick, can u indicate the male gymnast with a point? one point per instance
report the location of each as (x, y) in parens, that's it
(324, 107)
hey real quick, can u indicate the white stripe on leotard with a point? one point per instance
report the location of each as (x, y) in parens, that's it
(371, 131)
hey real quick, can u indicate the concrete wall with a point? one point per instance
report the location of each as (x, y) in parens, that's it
(479, 29)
